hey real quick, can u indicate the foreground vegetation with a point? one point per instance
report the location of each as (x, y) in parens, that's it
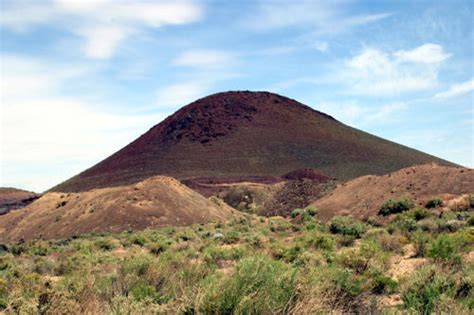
(419, 263)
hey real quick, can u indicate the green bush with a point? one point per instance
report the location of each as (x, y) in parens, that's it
(346, 225)
(139, 240)
(434, 203)
(444, 248)
(305, 214)
(383, 285)
(418, 214)
(296, 213)
(320, 241)
(470, 221)
(393, 206)
(425, 289)
(259, 285)
(104, 244)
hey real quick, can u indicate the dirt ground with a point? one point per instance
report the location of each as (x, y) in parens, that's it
(158, 201)
(363, 196)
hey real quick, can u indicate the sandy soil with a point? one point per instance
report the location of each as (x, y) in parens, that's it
(158, 201)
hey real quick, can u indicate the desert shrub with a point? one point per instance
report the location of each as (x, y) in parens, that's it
(139, 240)
(420, 242)
(231, 237)
(425, 289)
(368, 257)
(444, 248)
(346, 240)
(470, 221)
(393, 206)
(428, 225)
(320, 241)
(18, 249)
(141, 291)
(403, 224)
(390, 243)
(434, 203)
(383, 285)
(346, 225)
(258, 285)
(137, 265)
(305, 214)
(157, 248)
(296, 212)
(418, 214)
(212, 254)
(39, 249)
(104, 244)
(450, 226)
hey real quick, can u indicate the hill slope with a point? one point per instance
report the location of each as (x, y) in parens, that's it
(362, 197)
(157, 201)
(247, 134)
(13, 198)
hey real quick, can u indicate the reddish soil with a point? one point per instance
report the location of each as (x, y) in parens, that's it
(242, 134)
(307, 173)
(12, 199)
(362, 197)
(208, 186)
(158, 201)
(296, 194)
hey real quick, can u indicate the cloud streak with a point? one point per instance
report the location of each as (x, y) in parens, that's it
(457, 90)
(103, 24)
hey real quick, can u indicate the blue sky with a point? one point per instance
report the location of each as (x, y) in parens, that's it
(81, 79)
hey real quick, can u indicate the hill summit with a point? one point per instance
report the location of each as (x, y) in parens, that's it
(242, 133)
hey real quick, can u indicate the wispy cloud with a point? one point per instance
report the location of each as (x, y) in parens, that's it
(321, 16)
(103, 24)
(427, 53)
(457, 89)
(375, 72)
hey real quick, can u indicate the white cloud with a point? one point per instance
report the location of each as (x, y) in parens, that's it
(427, 53)
(204, 58)
(374, 72)
(322, 16)
(457, 89)
(47, 137)
(102, 24)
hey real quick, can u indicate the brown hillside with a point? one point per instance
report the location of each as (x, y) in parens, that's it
(158, 201)
(13, 198)
(362, 197)
(238, 134)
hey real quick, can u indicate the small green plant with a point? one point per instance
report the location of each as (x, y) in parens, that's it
(346, 225)
(470, 221)
(434, 202)
(296, 213)
(423, 292)
(383, 285)
(444, 248)
(393, 206)
(104, 244)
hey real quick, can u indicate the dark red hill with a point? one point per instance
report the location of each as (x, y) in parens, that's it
(236, 134)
